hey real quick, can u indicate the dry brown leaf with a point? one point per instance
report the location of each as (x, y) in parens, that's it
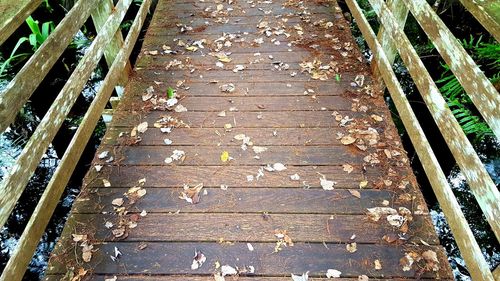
(347, 140)
(348, 168)
(351, 247)
(377, 264)
(117, 202)
(355, 193)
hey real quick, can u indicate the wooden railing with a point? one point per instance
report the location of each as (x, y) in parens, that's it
(109, 42)
(391, 38)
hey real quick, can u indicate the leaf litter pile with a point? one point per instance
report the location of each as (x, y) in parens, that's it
(291, 27)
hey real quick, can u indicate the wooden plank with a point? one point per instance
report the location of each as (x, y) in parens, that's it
(176, 258)
(209, 227)
(99, 17)
(211, 278)
(208, 156)
(225, 75)
(20, 258)
(261, 104)
(235, 200)
(400, 12)
(137, 88)
(19, 90)
(463, 235)
(480, 182)
(479, 88)
(233, 176)
(211, 136)
(261, 119)
(487, 13)
(18, 176)
(14, 13)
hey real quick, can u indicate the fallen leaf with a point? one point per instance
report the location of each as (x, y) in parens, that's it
(295, 177)
(377, 118)
(363, 184)
(347, 140)
(363, 278)
(87, 252)
(143, 127)
(180, 108)
(333, 273)
(348, 168)
(377, 264)
(279, 167)
(327, 184)
(355, 193)
(377, 212)
(103, 154)
(250, 247)
(224, 157)
(79, 237)
(191, 194)
(431, 259)
(228, 270)
(303, 277)
(198, 260)
(117, 202)
(351, 247)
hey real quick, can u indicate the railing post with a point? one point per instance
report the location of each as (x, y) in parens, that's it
(99, 17)
(400, 12)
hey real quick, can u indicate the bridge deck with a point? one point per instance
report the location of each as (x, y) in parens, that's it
(302, 98)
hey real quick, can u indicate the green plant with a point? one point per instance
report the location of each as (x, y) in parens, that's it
(459, 102)
(35, 39)
(6, 64)
(38, 36)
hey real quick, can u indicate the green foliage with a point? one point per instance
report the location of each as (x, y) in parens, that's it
(170, 93)
(459, 102)
(35, 39)
(38, 36)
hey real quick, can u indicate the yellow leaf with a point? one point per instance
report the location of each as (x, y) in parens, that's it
(224, 157)
(192, 48)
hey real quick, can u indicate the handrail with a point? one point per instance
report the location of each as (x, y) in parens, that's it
(481, 184)
(13, 15)
(15, 181)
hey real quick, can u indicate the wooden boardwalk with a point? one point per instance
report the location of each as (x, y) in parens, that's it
(261, 86)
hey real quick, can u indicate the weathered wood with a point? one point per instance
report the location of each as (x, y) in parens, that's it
(13, 14)
(261, 76)
(208, 156)
(260, 119)
(18, 176)
(463, 235)
(99, 16)
(480, 90)
(176, 258)
(234, 200)
(209, 227)
(255, 89)
(19, 90)
(211, 136)
(211, 278)
(400, 12)
(233, 176)
(20, 258)
(487, 13)
(171, 229)
(263, 104)
(480, 182)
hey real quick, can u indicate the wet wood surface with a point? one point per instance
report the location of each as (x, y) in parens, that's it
(323, 121)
